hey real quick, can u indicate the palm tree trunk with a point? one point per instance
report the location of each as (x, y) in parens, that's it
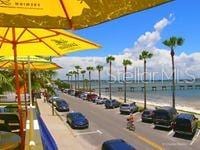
(173, 79)
(125, 68)
(75, 82)
(78, 80)
(71, 87)
(99, 83)
(83, 83)
(110, 82)
(145, 90)
(90, 80)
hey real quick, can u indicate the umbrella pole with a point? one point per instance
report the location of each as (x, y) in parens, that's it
(17, 86)
(24, 78)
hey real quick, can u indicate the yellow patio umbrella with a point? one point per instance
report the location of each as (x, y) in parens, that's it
(36, 63)
(68, 14)
(27, 63)
(44, 42)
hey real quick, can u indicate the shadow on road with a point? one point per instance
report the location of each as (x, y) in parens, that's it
(186, 137)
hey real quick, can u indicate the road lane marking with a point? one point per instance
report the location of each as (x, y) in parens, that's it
(195, 138)
(147, 141)
(170, 132)
(151, 143)
(87, 133)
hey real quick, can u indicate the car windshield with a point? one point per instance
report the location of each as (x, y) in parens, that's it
(146, 112)
(161, 115)
(62, 103)
(125, 105)
(77, 115)
(183, 122)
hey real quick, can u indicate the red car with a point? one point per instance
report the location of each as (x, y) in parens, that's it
(92, 97)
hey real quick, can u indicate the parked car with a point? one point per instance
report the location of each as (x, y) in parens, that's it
(116, 144)
(53, 98)
(148, 115)
(78, 93)
(92, 97)
(164, 116)
(128, 108)
(112, 103)
(65, 91)
(61, 105)
(100, 100)
(71, 92)
(185, 124)
(83, 96)
(77, 120)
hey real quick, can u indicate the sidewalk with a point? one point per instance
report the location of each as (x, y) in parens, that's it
(58, 129)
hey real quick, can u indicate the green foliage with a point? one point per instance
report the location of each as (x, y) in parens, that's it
(99, 67)
(198, 124)
(110, 59)
(61, 84)
(145, 55)
(140, 109)
(6, 81)
(127, 62)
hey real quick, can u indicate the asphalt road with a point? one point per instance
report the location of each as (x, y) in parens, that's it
(105, 124)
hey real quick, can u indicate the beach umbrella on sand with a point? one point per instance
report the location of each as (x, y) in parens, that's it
(44, 42)
(68, 14)
(27, 63)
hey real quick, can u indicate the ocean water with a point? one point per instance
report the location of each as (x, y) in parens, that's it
(187, 93)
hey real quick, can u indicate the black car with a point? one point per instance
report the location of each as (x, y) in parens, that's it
(164, 116)
(148, 115)
(116, 144)
(112, 103)
(77, 120)
(61, 105)
(185, 124)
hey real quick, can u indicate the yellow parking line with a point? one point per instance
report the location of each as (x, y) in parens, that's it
(154, 145)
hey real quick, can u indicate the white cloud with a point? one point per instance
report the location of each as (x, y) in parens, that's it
(160, 61)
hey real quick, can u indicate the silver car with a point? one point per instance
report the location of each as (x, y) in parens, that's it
(100, 100)
(128, 108)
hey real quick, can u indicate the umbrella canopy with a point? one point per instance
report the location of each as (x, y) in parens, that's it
(29, 42)
(43, 42)
(68, 14)
(36, 63)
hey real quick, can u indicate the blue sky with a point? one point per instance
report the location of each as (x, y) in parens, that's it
(144, 30)
(121, 33)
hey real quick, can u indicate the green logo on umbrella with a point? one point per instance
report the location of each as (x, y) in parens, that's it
(63, 44)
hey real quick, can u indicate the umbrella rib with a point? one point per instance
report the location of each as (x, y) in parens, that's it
(4, 64)
(77, 38)
(43, 42)
(4, 37)
(21, 34)
(67, 15)
(33, 40)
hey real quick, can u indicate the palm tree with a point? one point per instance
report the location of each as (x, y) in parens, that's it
(144, 56)
(99, 68)
(75, 77)
(172, 43)
(109, 60)
(126, 62)
(71, 75)
(89, 69)
(83, 78)
(77, 70)
(68, 75)
(6, 80)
